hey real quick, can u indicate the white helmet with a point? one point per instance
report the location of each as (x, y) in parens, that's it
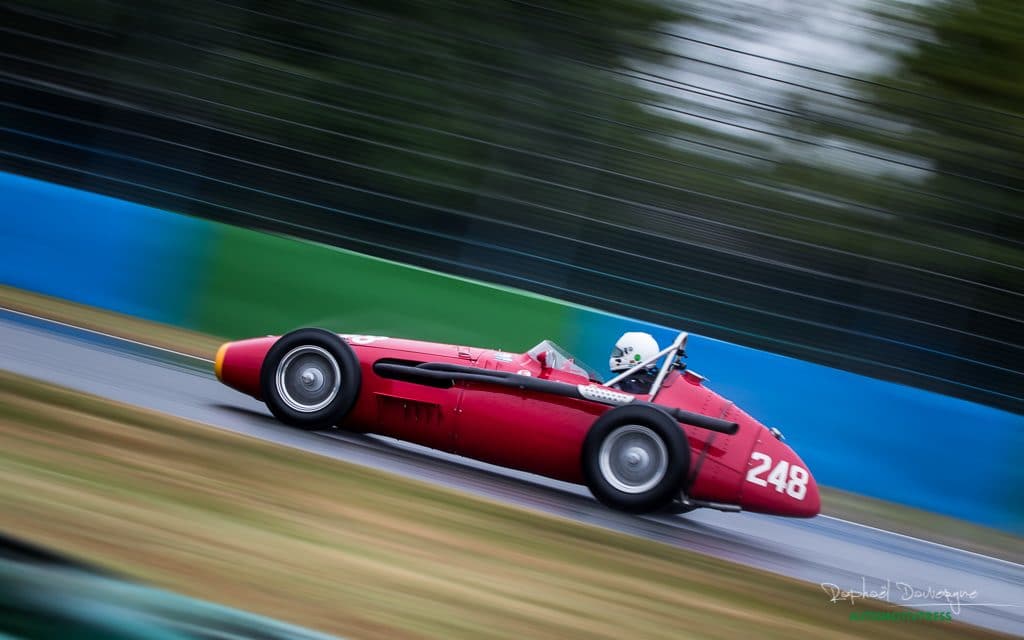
(631, 349)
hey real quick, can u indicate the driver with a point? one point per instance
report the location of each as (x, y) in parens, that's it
(630, 350)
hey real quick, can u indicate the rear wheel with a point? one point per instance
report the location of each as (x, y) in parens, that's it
(635, 458)
(310, 379)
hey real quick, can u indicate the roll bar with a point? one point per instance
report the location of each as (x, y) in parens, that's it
(673, 353)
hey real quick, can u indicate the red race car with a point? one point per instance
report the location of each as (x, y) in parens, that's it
(678, 447)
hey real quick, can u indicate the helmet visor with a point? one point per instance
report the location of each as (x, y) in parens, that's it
(617, 352)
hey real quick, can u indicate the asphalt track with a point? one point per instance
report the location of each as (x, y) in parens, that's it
(819, 550)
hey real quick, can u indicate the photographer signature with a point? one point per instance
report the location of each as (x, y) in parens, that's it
(901, 592)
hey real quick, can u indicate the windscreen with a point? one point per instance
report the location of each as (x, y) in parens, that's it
(560, 359)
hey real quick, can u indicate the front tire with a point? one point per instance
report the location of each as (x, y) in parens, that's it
(635, 459)
(310, 379)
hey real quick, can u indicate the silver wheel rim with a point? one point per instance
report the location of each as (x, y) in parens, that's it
(633, 459)
(308, 378)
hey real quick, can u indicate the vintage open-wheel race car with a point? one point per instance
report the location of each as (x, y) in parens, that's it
(677, 447)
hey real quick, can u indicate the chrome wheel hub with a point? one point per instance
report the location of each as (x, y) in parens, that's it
(637, 458)
(312, 379)
(308, 378)
(633, 459)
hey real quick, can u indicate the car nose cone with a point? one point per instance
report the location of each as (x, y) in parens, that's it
(778, 482)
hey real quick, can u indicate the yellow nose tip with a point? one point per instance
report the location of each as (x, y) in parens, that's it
(218, 361)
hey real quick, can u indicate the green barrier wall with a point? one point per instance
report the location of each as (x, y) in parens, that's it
(257, 283)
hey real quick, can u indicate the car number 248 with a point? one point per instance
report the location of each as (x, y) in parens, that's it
(785, 477)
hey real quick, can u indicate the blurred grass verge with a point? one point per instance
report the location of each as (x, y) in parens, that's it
(118, 324)
(840, 504)
(357, 552)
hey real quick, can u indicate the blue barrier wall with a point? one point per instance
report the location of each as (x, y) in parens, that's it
(856, 433)
(100, 251)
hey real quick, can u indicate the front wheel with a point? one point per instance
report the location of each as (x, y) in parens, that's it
(310, 379)
(635, 459)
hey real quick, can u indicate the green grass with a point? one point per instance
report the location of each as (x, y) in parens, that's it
(878, 513)
(361, 553)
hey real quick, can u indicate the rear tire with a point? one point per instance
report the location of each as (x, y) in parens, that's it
(635, 459)
(310, 379)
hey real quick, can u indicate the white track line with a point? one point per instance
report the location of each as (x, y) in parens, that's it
(106, 335)
(188, 355)
(931, 542)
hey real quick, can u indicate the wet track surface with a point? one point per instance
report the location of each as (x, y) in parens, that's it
(819, 550)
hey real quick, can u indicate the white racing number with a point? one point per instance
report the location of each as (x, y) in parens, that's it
(785, 477)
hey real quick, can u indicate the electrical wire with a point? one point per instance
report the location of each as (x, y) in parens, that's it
(662, 210)
(495, 196)
(692, 321)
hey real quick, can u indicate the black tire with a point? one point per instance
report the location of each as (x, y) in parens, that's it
(317, 356)
(644, 427)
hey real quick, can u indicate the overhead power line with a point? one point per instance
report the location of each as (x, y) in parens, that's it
(515, 98)
(808, 245)
(662, 81)
(805, 67)
(497, 196)
(627, 71)
(767, 261)
(603, 274)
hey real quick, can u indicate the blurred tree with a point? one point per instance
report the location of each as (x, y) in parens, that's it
(952, 105)
(971, 74)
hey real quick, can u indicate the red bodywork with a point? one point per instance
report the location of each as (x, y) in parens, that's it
(541, 433)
